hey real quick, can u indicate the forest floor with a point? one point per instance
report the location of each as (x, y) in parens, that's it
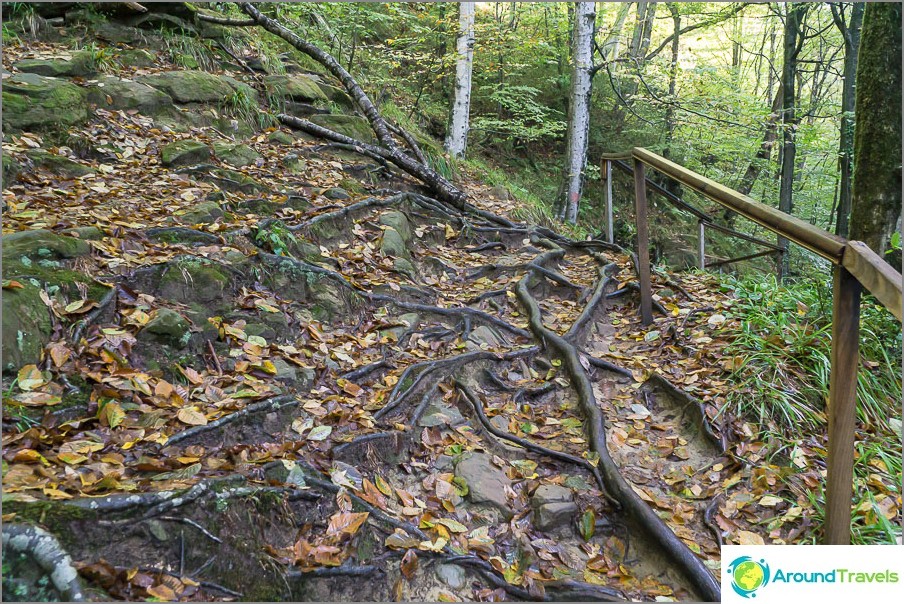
(265, 388)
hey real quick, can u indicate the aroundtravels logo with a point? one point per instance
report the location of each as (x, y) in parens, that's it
(748, 575)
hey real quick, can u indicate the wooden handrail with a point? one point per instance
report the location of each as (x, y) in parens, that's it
(856, 267)
(818, 241)
(875, 274)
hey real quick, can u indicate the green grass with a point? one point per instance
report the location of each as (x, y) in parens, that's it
(783, 336)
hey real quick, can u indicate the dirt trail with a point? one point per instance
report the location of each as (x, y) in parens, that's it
(294, 384)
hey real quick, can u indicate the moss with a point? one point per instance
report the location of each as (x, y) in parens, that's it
(190, 86)
(33, 101)
(356, 127)
(184, 153)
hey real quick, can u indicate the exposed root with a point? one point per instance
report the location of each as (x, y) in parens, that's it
(644, 517)
(47, 552)
(265, 405)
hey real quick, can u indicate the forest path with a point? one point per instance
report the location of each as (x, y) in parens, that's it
(285, 372)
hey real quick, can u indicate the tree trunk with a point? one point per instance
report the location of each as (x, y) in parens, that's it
(579, 119)
(609, 47)
(876, 203)
(457, 140)
(673, 81)
(794, 18)
(851, 34)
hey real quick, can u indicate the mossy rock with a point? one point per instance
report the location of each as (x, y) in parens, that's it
(26, 326)
(352, 126)
(336, 95)
(178, 235)
(328, 300)
(336, 193)
(111, 31)
(41, 244)
(57, 164)
(190, 86)
(11, 169)
(204, 213)
(31, 101)
(295, 87)
(136, 57)
(293, 163)
(85, 233)
(281, 138)
(236, 155)
(393, 244)
(241, 87)
(79, 65)
(194, 281)
(399, 222)
(111, 92)
(167, 327)
(232, 180)
(185, 153)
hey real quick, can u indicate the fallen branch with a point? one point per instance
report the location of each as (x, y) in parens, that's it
(265, 405)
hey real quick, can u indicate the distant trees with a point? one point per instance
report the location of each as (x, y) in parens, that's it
(876, 202)
(569, 197)
(457, 138)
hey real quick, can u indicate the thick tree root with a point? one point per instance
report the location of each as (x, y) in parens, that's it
(636, 509)
(472, 398)
(265, 405)
(47, 552)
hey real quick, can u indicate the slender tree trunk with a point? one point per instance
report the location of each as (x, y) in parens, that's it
(457, 140)
(610, 46)
(876, 207)
(673, 81)
(851, 33)
(793, 20)
(579, 119)
(765, 150)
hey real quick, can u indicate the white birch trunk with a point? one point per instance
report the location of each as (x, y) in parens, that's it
(579, 122)
(457, 139)
(610, 46)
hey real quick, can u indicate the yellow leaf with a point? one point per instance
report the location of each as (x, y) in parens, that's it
(111, 414)
(30, 378)
(748, 538)
(191, 416)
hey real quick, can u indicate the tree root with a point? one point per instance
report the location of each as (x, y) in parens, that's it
(94, 315)
(265, 405)
(472, 398)
(636, 509)
(47, 552)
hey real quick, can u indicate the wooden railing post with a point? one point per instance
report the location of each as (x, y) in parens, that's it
(610, 230)
(643, 243)
(842, 405)
(701, 244)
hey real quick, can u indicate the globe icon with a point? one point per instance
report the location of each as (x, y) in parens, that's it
(749, 575)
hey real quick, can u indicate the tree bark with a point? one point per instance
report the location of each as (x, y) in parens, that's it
(851, 33)
(457, 139)
(876, 203)
(579, 119)
(673, 81)
(794, 18)
(609, 48)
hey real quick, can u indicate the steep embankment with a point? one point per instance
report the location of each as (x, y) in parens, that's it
(240, 362)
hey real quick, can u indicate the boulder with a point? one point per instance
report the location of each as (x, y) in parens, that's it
(78, 65)
(190, 86)
(192, 280)
(41, 244)
(486, 483)
(398, 221)
(484, 336)
(26, 326)
(553, 507)
(185, 153)
(337, 95)
(452, 575)
(235, 155)
(204, 213)
(393, 244)
(353, 126)
(111, 92)
(438, 414)
(336, 193)
(136, 57)
(280, 137)
(11, 169)
(32, 101)
(295, 87)
(168, 327)
(111, 31)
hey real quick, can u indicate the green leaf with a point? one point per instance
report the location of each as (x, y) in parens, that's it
(588, 525)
